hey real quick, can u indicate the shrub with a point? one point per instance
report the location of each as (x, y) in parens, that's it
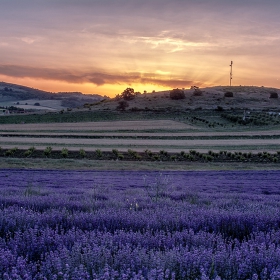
(115, 152)
(29, 152)
(163, 152)
(177, 94)
(191, 158)
(32, 149)
(149, 153)
(173, 158)
(135, 109)
(138, 157)
(64, 152)
(47, 151)
(197, 92)
(98, 153)
(228, 94)
(220, 109)
(120, 156)
(82, 153)
(133, 154)
(208, 157)
(155, 157)
(11, 152)
(273, 95)
(193, 152)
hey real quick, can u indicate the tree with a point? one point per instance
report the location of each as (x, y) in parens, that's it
(122, 105)
(118, 97)
(128, 94)
(228, 94)
(177, 94)
(273, 95)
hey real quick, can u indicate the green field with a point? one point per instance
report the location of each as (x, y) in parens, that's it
(168, 137)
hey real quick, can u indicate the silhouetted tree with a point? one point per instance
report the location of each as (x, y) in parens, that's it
(177, 94)
(118, 97)
(128, 94)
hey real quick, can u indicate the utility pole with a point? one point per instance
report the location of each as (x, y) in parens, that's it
(230, 75)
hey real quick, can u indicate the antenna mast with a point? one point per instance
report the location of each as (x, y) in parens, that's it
(230, 75)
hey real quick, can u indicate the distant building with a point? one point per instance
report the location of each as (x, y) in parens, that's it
(4, 112)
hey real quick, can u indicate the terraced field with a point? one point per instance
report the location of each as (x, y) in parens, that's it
(155, 135)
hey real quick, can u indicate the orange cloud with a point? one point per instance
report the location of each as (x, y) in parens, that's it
(93, 77)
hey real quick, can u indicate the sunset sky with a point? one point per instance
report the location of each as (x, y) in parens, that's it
(105, 46)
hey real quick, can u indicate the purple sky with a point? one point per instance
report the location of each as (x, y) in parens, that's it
(104, 46)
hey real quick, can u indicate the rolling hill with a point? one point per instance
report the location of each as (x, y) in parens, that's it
(212, 98)
(26, 97)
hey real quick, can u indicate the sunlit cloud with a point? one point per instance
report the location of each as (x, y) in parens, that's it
(171, 44)
(94, 77)
(28, 40)
(162, 72)
(95, 44)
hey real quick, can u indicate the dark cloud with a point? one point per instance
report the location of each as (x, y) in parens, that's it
(94, 77)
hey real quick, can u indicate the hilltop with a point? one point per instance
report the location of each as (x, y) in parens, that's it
(211, 98)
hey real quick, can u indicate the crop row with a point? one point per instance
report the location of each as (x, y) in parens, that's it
(258, 119)
(148, 136)
(147, 155)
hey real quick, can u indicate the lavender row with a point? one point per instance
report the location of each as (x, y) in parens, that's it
(135, 225)
(213, 181)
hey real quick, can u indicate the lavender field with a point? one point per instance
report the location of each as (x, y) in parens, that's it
(139, 225)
